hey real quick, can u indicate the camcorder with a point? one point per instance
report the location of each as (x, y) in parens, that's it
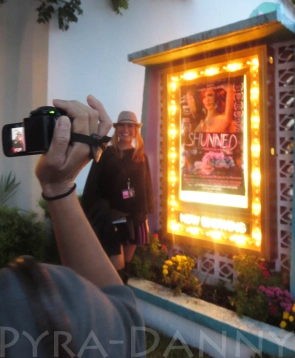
(33, 135)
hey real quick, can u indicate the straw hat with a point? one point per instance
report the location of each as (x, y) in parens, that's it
(127, 117)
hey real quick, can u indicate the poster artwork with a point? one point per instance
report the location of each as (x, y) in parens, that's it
(212, 122)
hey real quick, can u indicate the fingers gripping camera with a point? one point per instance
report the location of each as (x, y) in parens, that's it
(34, 135)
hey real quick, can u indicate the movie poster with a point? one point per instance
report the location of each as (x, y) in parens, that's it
(213, 138)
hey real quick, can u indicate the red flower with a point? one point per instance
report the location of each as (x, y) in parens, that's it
(266, 274)
(156, 236)
(164, 247)
(273, 310)
(265, 271)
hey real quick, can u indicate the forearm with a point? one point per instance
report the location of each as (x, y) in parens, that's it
(56, 170)
(77, 243)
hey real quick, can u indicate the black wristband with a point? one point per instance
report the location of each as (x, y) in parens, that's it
(50, 198)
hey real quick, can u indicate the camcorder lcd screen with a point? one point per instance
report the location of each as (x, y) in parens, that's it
(18, 139)
(13, 140)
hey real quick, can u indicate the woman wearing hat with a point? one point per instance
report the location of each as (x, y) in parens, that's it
(118, 193)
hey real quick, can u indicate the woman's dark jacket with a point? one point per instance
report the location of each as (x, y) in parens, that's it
(102, 198)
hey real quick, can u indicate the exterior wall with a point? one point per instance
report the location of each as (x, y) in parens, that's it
(23, 85)
(92, 56)
(89, 58)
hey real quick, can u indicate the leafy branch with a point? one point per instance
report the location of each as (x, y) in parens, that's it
(67, 12)
(117, 4)
(8, 187)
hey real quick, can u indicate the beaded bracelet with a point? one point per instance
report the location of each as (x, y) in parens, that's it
(50, 198)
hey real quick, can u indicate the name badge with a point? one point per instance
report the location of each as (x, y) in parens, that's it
(128, 193)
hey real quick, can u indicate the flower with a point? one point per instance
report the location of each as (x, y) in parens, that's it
(265, 271)
(285, 315)
(284, 305)
(164, 247)
(289, 307)
(273, 310)
(291, 318)
(283, 324)
(168, 262)
(178, 274)
(270, 292)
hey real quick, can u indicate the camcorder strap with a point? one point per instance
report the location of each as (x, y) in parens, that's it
(46, 304)
(97, 143)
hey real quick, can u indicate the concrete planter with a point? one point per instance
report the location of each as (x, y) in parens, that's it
(213, 329)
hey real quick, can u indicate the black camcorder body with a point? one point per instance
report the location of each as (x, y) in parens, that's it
(33, 135)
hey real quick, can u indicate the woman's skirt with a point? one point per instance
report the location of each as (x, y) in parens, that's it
(141, 234)
(133, 233)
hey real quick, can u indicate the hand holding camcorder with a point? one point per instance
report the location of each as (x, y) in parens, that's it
(34, 134)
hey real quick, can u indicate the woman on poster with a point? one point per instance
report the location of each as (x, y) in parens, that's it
(118, 194)
(218, 105)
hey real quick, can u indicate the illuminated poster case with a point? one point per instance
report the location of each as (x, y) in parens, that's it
(214, 138)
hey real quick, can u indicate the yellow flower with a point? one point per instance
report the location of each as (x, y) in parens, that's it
(283, 324)
(178, 268)
(173, 258)
(168, 262)
(293, 308)
(165, 272)
(285, 315)
(165, 267)
(291, 318)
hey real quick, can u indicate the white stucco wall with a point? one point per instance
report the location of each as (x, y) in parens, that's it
(90, 58)
(23, 85)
